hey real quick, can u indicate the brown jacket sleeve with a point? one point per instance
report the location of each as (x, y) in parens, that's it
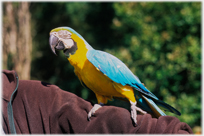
(41, 108)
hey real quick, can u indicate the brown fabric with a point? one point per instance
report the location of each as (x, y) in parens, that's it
(43, 108)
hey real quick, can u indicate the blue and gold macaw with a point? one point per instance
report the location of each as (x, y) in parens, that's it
(105, 75)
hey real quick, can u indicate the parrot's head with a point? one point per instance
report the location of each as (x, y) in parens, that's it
(66, 39)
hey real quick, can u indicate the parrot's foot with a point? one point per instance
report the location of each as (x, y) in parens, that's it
(94, 109)
(134, 110)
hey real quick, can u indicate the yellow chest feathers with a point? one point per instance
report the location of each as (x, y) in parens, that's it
(78, 59)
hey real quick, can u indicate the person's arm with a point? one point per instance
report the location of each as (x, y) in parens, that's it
(41, 108)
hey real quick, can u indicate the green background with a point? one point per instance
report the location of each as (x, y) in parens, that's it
(159, 41)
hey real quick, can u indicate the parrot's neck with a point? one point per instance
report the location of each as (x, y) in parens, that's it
(79, 58)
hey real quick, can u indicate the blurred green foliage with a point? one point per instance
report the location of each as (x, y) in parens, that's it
(159, 41)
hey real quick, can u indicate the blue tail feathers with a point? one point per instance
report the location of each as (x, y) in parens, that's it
(153, 106)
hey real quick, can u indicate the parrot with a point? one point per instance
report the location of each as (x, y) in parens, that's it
(105, 75)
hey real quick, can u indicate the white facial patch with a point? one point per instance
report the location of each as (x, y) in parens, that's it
(64, 34)
(65, 37)
(68, 43)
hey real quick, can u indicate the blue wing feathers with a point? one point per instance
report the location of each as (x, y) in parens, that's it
(118, 72)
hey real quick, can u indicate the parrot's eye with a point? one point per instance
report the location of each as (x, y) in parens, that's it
(64, 34)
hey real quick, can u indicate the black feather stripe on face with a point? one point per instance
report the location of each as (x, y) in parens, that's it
(71, 51)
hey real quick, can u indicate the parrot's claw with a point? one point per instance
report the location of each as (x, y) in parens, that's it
(134, 110)
(93, 110)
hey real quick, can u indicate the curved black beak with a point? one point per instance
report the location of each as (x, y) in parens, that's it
(53, 41)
